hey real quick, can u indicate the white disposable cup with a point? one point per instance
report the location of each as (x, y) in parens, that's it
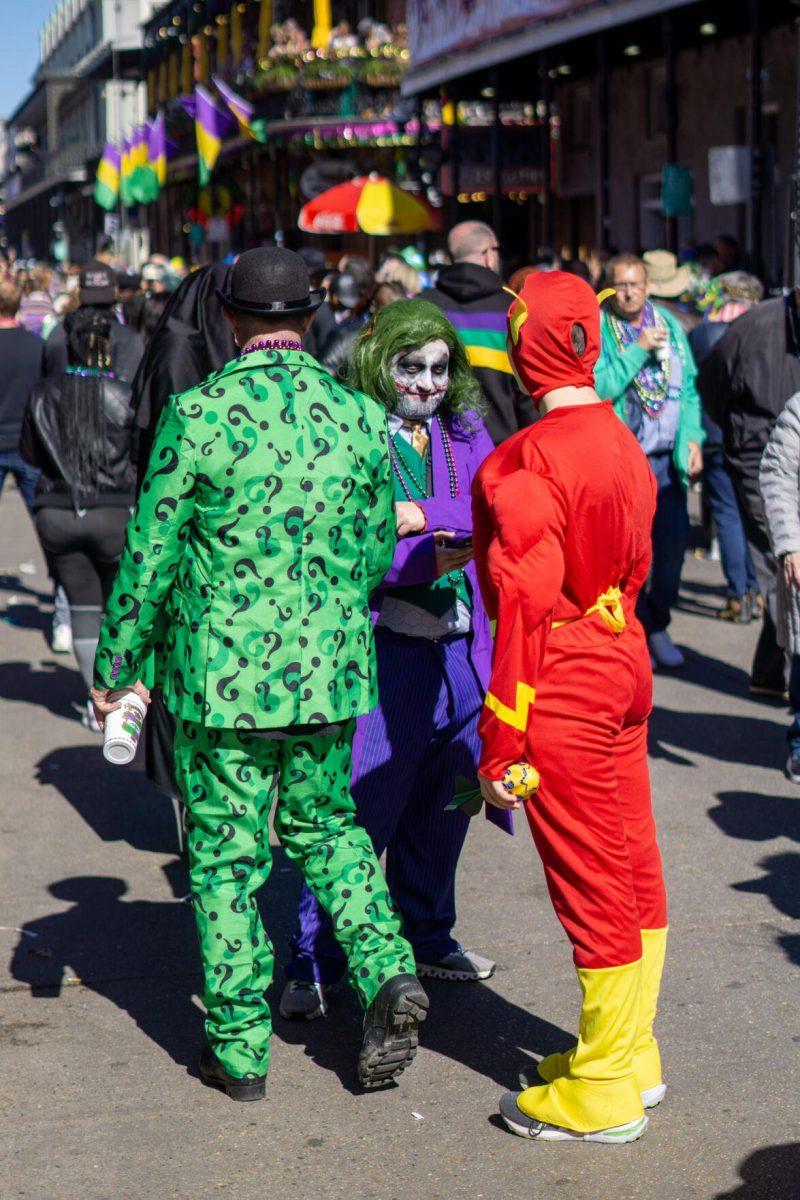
(662, 352)
(122, 729)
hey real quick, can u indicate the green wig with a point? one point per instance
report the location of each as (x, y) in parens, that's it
(406, 325)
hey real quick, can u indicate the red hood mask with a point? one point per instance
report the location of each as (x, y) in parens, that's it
(540, 323)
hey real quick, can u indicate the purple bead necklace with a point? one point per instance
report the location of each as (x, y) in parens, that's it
(270, 344)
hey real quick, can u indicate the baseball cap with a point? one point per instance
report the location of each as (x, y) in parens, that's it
(97, 284)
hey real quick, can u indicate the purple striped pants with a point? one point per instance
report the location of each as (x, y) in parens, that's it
(410, 756)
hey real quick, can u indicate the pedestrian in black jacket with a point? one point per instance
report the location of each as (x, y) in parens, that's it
(470, 292)
(78, 430)
(22, 362)
(745, 382)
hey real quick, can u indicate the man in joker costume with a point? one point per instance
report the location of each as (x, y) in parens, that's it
(563, 512)
(265, 521)
(415, 756)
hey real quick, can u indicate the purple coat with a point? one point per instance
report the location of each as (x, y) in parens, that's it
(415, 557)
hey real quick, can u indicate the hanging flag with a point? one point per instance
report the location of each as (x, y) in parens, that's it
(125, 171)
(158, 149)
(188, 102)
(243, 110)
(212, 125)
(106, 187)
(323, 22)
(140, 184)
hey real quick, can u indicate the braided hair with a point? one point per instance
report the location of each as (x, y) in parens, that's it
(81, 413)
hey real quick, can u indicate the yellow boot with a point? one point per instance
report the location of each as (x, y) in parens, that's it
(598, 1098)
(646, 1058)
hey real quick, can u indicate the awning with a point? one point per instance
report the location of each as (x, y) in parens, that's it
(446, 43)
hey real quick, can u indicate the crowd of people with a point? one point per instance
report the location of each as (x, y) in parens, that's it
(297, 566)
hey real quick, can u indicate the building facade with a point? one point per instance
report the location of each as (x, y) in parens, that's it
(670, 121)
(86, 89)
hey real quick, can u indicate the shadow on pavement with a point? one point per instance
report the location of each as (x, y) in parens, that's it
(768, 1174)
(27, 616)
(755, 817)
(753, 741)
(698, 593)
(118, 803)
(16, 584)
(140, 955)
(469, 1023)
(778, 883)
(702, 670)
(53, 686)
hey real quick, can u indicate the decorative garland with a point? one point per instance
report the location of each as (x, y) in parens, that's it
(652, 382)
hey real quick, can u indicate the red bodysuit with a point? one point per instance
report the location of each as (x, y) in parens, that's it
(562, 520)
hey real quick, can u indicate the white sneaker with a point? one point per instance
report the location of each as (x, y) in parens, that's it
(664, 651)
(62, 639)
(302, 998)
(88, 719)
(524, 1126)
(652, 1097)
(462, 966)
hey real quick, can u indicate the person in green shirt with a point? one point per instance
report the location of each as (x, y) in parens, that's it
(265, 520)
(646, 368)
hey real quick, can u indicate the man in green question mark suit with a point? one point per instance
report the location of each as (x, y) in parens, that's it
(265, 521)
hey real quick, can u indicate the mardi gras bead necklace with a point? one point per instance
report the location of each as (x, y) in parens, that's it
(270, 344)
(396, 450)
(652, 382)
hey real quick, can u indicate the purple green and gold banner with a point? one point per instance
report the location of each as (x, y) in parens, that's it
(243, 111)
(106, 187)
(212, 125)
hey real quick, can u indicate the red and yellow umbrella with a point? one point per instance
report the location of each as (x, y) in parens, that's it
(371, 204)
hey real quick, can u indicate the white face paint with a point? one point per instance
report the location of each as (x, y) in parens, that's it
(421, 377)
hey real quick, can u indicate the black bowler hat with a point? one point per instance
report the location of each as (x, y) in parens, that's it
(269, 282)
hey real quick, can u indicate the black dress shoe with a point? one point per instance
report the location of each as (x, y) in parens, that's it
(390, 1030)
(213, 1074)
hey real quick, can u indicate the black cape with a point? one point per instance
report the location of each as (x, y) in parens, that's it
(191, 340)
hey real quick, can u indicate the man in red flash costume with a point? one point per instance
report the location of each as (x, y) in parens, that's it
(562, 517)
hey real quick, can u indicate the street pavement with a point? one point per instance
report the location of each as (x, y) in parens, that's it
(100, 1021)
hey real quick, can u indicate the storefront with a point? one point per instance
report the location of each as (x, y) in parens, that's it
(640, 98)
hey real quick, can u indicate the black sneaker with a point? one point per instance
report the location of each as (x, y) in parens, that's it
(213, 1074)
(793, 766)
(390, 1030)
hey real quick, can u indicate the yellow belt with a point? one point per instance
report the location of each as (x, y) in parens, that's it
(609, 605)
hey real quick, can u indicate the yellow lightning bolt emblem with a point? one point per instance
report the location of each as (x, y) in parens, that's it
(516, 717)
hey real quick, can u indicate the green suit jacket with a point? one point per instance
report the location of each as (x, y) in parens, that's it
(616, 370)
(265, 521)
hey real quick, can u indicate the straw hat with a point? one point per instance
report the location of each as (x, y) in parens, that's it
(664, 277)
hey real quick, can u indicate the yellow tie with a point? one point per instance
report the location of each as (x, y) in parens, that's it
(419, 437)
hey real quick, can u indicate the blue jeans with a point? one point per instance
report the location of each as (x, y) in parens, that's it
(793, 734)
(670, 539)
(737, 565)
(12, 463)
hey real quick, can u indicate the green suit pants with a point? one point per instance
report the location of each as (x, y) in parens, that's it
(227, 779)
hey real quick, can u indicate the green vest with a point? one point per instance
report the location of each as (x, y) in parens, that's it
(440, 596)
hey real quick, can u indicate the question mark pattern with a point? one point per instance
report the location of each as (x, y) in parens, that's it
(228, 780)
(265, 521)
